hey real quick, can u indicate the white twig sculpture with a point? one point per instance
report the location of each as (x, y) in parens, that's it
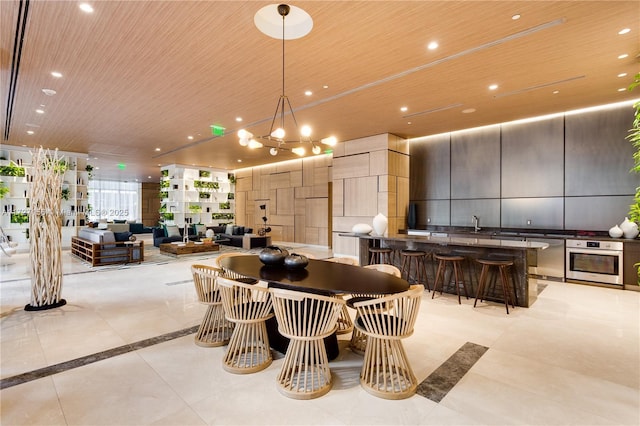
(45, 224)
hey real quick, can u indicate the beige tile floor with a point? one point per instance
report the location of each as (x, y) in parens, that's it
(573, 358)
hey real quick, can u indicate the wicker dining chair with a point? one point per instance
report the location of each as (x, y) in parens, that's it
(386, 372)
(230, 274)
(358, 342)
(306, 319)
(248, 306)
(214, 329)
(345, 324)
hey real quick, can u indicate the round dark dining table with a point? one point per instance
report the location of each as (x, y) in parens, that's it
(319, 276)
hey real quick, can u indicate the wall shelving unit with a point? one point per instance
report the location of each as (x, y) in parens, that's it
(192, 195)
(15, 204)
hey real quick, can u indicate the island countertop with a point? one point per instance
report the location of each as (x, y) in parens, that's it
(457, 240)
(522, 253)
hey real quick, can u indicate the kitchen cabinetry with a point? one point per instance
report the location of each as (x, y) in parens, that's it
(15, 203)
(475, 164)
(196, 195)
(631, 257)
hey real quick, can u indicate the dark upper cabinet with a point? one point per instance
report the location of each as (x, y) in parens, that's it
(475, 164)
(533, 159)
(598, 155)
(429, 168)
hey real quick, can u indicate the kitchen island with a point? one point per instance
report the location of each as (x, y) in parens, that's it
(470, 246)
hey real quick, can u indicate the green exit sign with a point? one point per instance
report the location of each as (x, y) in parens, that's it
(217, 130)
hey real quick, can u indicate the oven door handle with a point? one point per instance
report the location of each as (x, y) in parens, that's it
(595, 251)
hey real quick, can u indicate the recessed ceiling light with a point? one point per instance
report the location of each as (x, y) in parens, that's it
(40, 111)
(148, 177)
(239, 161)
(516, 17)
(493, 87)
(238, 119)
(622, 89)
(433, 45)
(49, 92)
(97, 168)
(30, 132)
(157, 149)
(308, 93)
(86, 7)
(325, 86)
(404, 109)
(624, 55)
(555, 92)
(56, 74)
(468, 110)
(190, 138)
(408, 122)
(622, 74)
(624, 31)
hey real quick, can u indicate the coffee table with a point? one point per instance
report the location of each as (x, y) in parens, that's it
(188, 248)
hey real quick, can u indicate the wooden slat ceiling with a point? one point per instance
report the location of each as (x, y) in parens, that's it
(141, 75)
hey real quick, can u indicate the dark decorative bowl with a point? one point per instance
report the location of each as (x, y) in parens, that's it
(273, 255)
(296, 261)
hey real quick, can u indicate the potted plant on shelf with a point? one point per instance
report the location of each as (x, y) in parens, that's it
(12, 170)
(65, 194)
(4, 189)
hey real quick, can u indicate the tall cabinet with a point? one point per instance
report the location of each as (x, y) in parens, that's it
(196, 196)
(15, 176)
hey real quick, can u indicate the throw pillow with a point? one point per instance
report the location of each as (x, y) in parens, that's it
(122, 236)
(229, 230)
(172, 231)
(199, 229)
(119, 220)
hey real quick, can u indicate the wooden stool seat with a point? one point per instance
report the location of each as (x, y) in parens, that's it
(214, 330)
(502, 265)
(380, 255)
(417, 258)
(455, 261)
(249, 307)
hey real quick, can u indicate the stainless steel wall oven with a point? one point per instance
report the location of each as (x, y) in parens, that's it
(594, 261)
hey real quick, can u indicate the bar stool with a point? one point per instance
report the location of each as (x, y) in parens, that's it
(418, 258)
(455, 262)
(502, 265)
(380, 255)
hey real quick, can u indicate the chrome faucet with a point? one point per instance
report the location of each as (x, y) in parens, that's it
(476, 223)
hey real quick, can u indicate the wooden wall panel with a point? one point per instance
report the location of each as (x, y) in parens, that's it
(360, 196)
(244, 184)
(337, 208)
(351, 167)
(285, 204)
(286, 189)
(317, 212)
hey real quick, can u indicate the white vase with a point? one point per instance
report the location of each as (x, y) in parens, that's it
(629, 229)
(380, 223)
(361, 228)
(615, 232)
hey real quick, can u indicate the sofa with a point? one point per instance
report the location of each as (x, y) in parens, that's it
(232, 233)
(103, 247)
(133, 227)
(169, 234)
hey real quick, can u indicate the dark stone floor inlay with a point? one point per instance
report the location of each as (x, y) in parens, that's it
(89, 359)
(444, 378)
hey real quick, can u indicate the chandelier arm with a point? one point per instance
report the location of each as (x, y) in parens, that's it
(275, 114)
(293, 116)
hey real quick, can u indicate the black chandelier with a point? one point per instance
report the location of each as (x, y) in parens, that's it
(276, 138)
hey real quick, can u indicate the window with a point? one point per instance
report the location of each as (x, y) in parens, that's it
(113, 200)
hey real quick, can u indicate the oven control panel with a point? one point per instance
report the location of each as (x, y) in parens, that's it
(601, 245)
